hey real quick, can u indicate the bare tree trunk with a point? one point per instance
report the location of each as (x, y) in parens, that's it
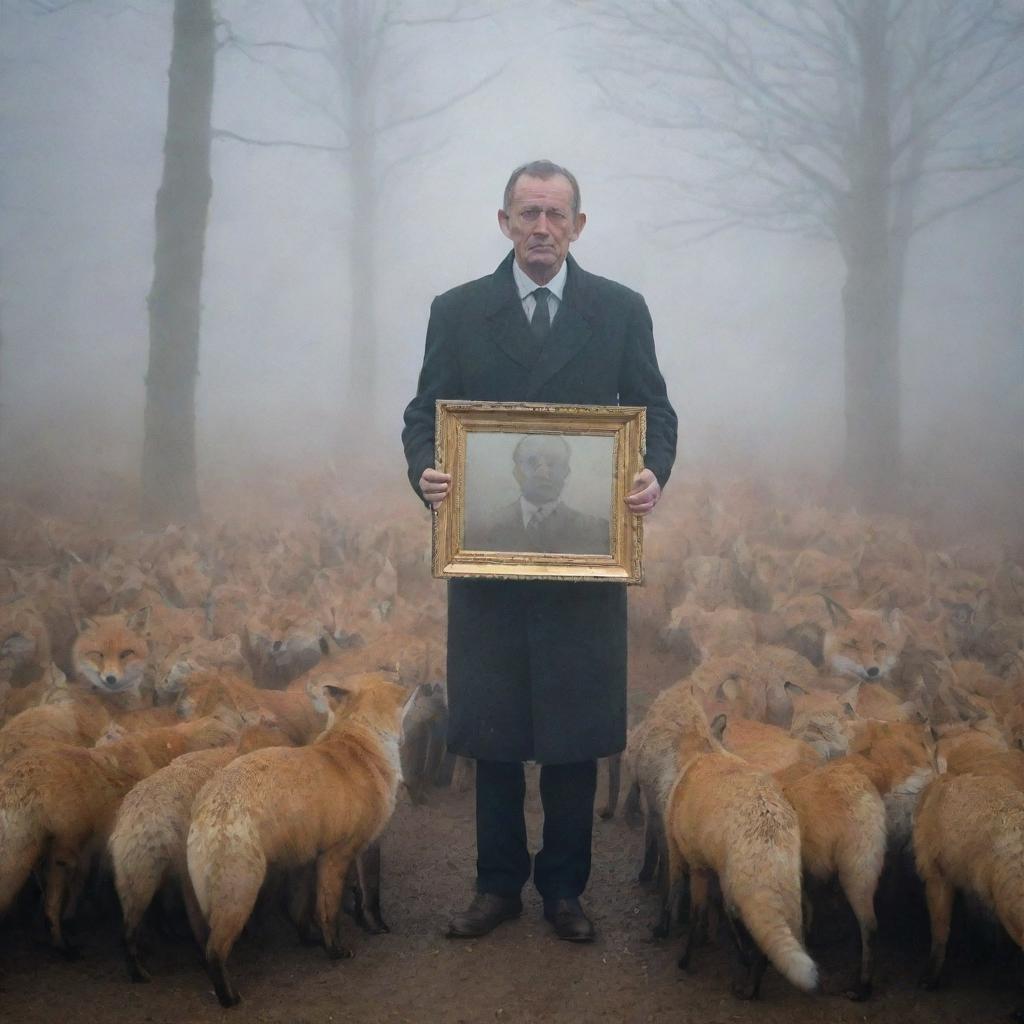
(873, 287)
(169, 491)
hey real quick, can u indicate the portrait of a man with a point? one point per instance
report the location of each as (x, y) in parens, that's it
(538, 518)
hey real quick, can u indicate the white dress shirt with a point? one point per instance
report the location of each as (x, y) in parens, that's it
(527, 287)
(529, 510)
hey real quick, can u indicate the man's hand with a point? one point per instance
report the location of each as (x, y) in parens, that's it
(645, 493)
(434, 486)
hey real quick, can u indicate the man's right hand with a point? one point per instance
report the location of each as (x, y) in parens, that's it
(434, 486)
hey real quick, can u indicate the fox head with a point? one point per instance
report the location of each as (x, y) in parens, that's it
(862, 643)
(375, 698)
(24, 642)
(111, 652)
(284, 640)
(822, 718)
(696, 737)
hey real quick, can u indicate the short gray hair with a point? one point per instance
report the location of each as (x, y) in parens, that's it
(542, 169)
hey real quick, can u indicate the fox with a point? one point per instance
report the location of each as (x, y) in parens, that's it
(651, 759)
(282, 640)
(823, 719)
(111, 655)
(50, 688)
(861, 643)
(293, 712)
(842, 833)
(969, 835)
(288, 807)
(60, 801)
(176, 667)
(78, 719)
(24, 643)
(972, 750)
(767, 747)
(424, 742)
(726, 818)
(900, 760)
(147, 842)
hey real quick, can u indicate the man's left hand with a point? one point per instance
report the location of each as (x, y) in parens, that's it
(645, 493)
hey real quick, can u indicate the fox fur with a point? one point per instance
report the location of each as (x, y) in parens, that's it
(290, 807)
(292, 711)
(726, 818)
(111, 654)
(863, 644)
(61, 800)
(147, 842)
(843, 833)
(969, 835)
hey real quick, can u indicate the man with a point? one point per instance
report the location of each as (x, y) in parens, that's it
(538, 520)
(537, 669)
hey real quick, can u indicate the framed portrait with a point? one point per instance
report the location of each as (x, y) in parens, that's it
(538, 491)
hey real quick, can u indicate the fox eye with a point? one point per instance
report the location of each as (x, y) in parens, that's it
(127, 654)
(98, 655)
(879, 646)
(852, 644)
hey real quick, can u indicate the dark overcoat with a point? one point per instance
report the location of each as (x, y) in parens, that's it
(537, 669)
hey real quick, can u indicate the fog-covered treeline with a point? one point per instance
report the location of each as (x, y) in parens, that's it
(822, 201)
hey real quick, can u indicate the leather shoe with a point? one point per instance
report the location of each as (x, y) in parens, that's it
(569, 919)
(483, 915)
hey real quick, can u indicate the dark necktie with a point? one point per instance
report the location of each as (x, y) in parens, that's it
(540, 323)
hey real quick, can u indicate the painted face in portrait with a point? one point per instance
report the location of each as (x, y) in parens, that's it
(541, 224)
(541, 467)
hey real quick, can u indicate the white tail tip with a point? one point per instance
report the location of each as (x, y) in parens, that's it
(802, 971)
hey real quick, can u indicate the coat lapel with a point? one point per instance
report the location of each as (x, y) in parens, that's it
(505, 312)
(570, 331)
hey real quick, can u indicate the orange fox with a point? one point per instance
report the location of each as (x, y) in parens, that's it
(842, 833)
(111, 653)
(969, 835)
(319, 804)
(726, 818)
(861, 643)
(60, 801)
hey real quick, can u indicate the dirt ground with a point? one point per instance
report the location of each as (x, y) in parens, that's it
(520, 974)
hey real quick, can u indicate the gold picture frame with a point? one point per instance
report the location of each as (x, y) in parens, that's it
(514, 503)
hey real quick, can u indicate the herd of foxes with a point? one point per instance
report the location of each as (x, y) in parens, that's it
(221, 718)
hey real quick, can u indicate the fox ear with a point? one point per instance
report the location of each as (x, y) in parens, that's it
(728, 690)
(848, 710)
(794, 688)
(138, 621)
(85, 624)
(336, 694)
(839, 615)
(718, 727)
(893, 618)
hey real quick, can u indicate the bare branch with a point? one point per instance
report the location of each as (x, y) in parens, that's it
(446, 104)
(223, 133)
(970, 199)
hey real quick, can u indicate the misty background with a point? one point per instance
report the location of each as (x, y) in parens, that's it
(749, 323)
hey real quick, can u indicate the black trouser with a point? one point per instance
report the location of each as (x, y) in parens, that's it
(562, 866)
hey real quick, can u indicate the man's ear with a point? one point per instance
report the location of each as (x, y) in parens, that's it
(581, 223)
(503, 224)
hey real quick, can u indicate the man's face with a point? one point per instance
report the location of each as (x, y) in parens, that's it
(541, 224)
(541, 469)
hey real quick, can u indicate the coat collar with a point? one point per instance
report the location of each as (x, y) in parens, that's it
(570, 330)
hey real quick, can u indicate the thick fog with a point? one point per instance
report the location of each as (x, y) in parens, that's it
(748, 323)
